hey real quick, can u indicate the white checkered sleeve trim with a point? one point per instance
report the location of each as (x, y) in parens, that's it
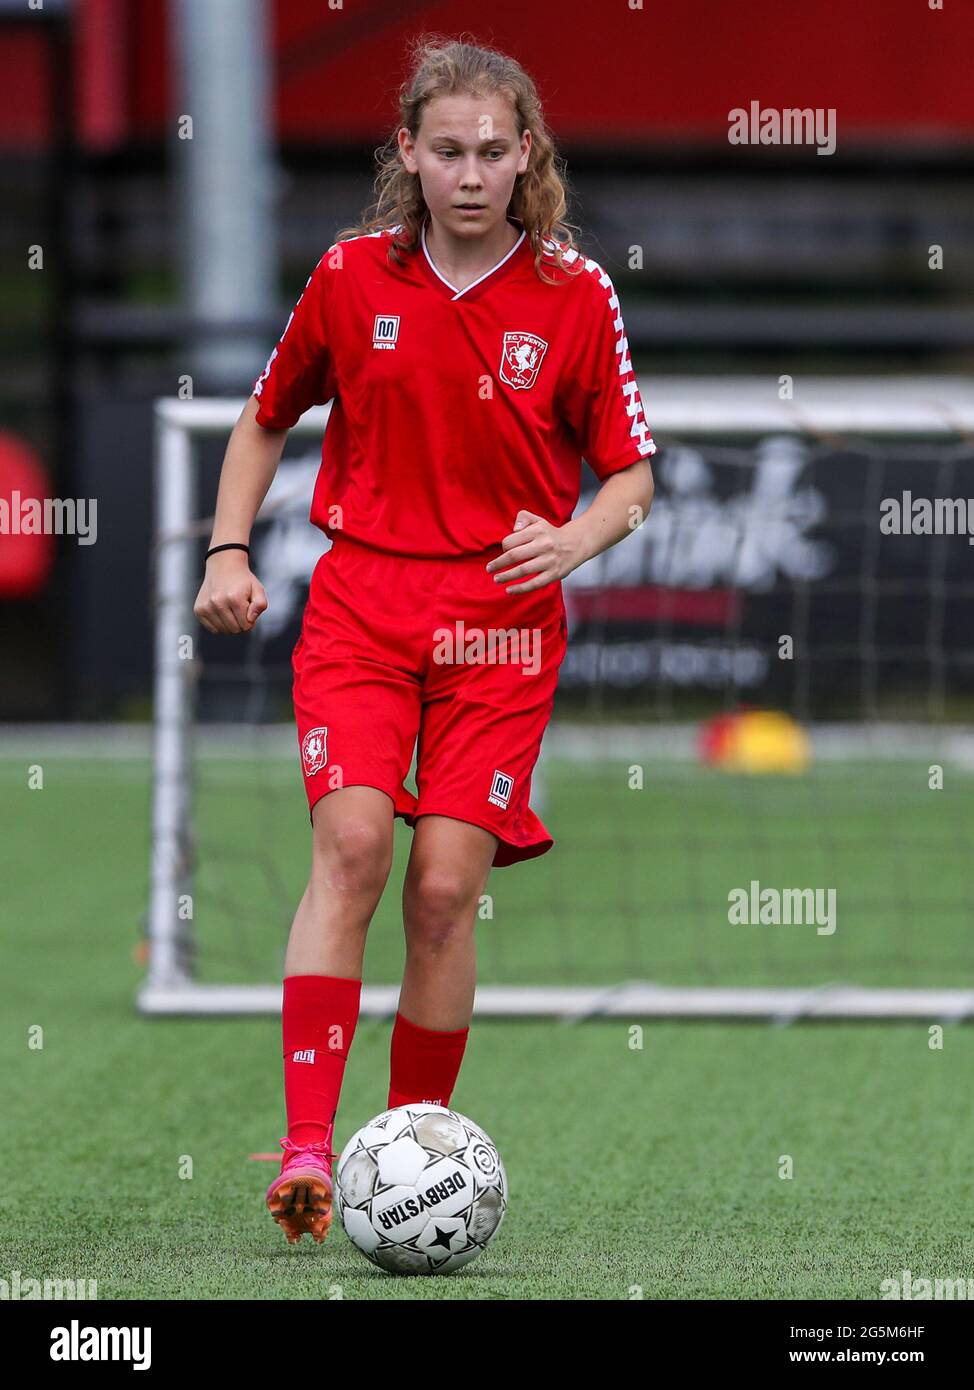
(639, 428)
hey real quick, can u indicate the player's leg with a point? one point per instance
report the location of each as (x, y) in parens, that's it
(448, 868)
(350, 862)
(351, 858)
(479, 739)
(357, 712)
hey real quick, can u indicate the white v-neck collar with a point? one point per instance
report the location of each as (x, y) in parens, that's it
(457, 294)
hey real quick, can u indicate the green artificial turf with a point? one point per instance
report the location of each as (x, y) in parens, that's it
(647, 1171)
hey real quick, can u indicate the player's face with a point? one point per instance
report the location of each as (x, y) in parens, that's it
(467, 151)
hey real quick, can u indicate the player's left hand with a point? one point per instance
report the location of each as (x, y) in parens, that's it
(536, 548)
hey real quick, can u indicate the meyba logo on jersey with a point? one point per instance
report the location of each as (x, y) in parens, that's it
(521, 359)
(314, 751)
(386, 331)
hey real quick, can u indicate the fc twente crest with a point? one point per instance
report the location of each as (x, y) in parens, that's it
(314, 751)
(521, 358)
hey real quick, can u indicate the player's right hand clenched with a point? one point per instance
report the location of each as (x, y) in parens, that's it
(231, 598)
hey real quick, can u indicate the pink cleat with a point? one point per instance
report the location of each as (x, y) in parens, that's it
(299, 1198)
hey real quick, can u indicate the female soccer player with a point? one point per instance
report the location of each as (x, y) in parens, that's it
(473, 357)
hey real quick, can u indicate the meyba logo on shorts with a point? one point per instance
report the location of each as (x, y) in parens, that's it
(500, 790)
(521, 359)
(385, 331)
(314, 751)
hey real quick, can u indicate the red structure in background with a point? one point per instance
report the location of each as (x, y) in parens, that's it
(894, 70)
(26, 561)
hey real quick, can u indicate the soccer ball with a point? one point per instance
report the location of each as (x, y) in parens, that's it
(420, 1190)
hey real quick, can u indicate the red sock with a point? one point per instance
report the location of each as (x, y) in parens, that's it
(317, 1025)
(424, 1063)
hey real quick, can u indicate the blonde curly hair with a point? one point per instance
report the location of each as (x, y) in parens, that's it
(450, 67)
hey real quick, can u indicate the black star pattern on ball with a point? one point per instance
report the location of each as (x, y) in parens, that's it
(443, 1238)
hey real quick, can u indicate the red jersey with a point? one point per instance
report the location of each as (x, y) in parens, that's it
(454, 409)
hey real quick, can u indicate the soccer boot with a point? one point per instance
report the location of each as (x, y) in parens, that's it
(299, 1198)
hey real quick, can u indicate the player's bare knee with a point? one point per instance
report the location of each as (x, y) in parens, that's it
(352, 857)
(437, 905)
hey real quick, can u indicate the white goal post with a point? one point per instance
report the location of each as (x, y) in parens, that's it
(711, 407)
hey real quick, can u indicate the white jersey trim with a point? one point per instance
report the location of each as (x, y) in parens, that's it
(458, 294)
(639, 430)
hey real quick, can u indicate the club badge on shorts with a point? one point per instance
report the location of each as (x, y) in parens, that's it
(521, 359)
(314, 751)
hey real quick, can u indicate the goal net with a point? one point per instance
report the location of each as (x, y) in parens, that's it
(760, 771)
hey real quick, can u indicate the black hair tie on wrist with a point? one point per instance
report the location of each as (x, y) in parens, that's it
(231, 545)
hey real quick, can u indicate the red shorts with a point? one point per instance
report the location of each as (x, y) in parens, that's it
(395, 649)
